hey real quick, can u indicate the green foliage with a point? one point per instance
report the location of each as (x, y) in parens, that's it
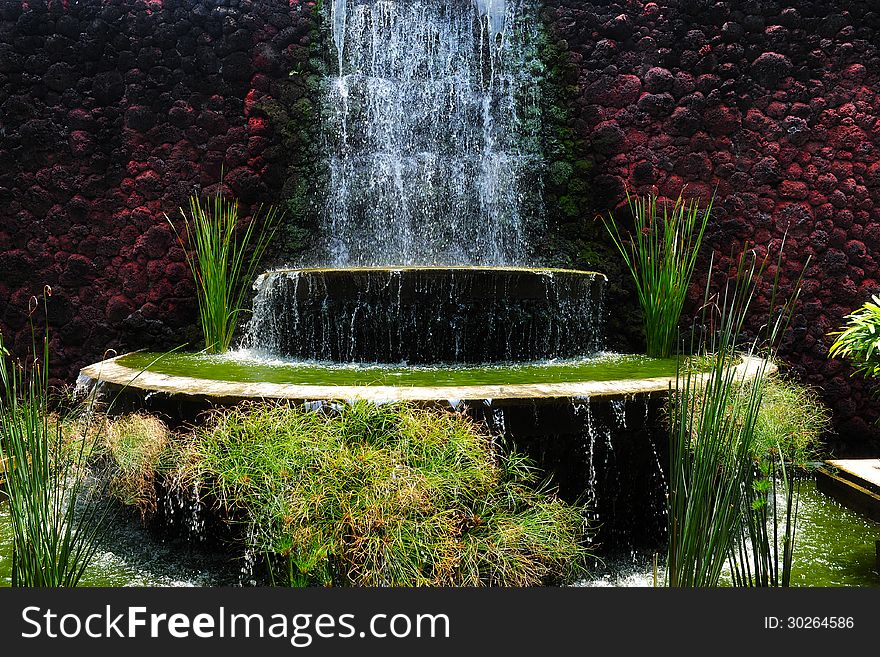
(386, 495)
(859, 340)
(786, 439)
(713, 503)
(223, 263)
(136, 445)
(566, 179)
(788, 433)
(790, 422)
(56, 526)
(660, 256)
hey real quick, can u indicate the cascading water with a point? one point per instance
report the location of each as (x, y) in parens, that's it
(433, 132)
(423, 315)
(434, 149)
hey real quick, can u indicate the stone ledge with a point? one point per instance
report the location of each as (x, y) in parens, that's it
(109, 371)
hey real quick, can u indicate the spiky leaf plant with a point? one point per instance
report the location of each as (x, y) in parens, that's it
(712, 489)
(223, 260)
(56, 522)
(661, 255)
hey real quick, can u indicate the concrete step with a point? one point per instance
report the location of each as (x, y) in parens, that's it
(848, 492)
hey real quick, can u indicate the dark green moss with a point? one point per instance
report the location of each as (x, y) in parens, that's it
(566, 193)
(575, 236)
(295, 119)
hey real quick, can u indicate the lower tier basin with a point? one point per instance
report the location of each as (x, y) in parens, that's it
(594, 426)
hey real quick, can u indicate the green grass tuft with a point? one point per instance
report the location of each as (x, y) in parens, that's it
(661, 255)
(135, 445)
(791, 422)
(223, 263)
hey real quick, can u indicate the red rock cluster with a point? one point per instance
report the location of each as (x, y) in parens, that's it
(776, 104)
(112, 113)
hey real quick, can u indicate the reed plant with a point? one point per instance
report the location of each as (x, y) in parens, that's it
(56, 521)
(788, 434)
(714, 486)
(661, 254)
(223, 260)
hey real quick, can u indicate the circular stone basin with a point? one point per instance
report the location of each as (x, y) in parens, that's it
(427, 315)
(235, 376)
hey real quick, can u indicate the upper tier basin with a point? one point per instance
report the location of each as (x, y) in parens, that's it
(424, 315)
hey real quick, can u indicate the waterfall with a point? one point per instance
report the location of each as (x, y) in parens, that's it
(425, 315)
(432, 126)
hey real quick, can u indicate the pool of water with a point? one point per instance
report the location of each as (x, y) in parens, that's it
(834, 548)
(130, 555)
(248, 367)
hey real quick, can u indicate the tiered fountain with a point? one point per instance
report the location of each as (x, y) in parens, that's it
(434, 154)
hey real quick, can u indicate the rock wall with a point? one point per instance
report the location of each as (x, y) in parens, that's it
(112, 112)
(774, 104)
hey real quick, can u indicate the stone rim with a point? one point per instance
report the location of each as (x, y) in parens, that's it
(406, 268)
(110, 372)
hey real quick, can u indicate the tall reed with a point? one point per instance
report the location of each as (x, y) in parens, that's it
(56, 527)
(661, 255)
(764, 552)
(223, 262)
(712, 492)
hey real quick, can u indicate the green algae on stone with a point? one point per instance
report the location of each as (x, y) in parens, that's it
(613, 367)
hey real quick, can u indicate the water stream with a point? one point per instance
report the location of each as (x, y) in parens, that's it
(433, 132)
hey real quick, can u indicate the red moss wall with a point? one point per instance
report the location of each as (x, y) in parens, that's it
(775, 104)
(112, 112)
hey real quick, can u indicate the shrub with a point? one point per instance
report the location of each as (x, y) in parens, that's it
(859, 340)
(386, 495)
(136, 445)
(790, 423)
